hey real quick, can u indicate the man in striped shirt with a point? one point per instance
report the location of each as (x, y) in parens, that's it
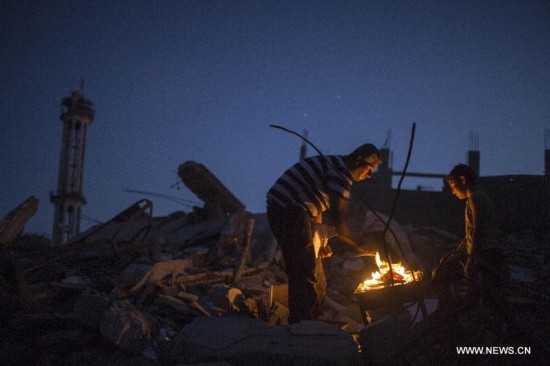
(296, 202)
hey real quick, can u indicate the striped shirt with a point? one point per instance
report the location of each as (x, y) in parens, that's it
(310, 183)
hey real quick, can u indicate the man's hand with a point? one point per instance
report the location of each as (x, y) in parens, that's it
(325, 252)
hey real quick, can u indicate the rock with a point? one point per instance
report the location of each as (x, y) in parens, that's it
(126, 327)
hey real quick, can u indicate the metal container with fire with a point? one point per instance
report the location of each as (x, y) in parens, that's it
(381, 293)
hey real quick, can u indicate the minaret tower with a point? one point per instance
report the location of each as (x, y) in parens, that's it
(76, 113)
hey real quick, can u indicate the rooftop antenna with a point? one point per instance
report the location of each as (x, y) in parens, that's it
(474, 141)
(387, 155)
(386, 144)
(303, 148)
(474, 154)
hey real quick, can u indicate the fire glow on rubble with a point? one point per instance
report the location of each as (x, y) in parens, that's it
(381, 278)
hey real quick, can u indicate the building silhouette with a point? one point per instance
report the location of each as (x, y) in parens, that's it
(522, 202)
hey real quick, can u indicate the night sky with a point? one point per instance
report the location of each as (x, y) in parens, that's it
(201, 80)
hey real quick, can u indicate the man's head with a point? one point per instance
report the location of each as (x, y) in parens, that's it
(363, 161)
(461, 179)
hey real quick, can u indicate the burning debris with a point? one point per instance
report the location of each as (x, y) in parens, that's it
(388, 275)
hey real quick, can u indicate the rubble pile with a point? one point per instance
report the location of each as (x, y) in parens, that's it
(190, 289)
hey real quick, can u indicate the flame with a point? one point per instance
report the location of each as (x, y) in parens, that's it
(382, 277)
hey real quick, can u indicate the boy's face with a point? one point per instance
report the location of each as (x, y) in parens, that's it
(458, 187)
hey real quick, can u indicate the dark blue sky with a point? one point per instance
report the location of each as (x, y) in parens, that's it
(202, 80)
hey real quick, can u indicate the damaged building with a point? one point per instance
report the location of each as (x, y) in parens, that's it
(209, 286)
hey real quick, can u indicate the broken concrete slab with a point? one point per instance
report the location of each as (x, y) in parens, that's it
(248, 341)
(218, 200)
(11, 225)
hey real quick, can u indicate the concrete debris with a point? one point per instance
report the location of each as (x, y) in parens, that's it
(11, 225)
(159, 272)
(245, 341)
(127, 327)
(218, 200)
(207, 289)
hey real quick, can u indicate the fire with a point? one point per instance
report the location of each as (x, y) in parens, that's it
(382, 278)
